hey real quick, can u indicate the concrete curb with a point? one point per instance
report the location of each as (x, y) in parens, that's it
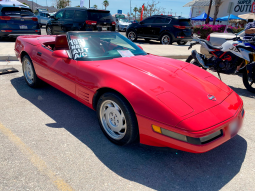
(8, 58)
(14, 58)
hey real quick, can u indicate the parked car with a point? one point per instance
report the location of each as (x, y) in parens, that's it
(43, 18)
(122, 24)
(80, 19)
(156, 100)
(166, 29)
(217, 39)
(17, 20)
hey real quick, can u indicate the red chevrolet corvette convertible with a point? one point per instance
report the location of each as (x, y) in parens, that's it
(160, 101)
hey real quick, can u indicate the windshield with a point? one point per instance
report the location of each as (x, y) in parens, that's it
(124, 20)
(101, 46)
(17, 11)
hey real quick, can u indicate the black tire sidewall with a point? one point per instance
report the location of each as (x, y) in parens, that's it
(135, 35)
(171, 39)
(246, 81)
(50, 30)
(181, 42)
(132, 125)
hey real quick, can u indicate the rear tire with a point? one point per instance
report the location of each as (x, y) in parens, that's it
(29, 73)
(117, 119)
(166, 39)
(248, 83)
(181, 42)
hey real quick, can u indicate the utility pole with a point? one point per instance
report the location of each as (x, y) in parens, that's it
(130, 10)
(89, 3)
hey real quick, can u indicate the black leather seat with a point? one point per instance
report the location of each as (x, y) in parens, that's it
(209, 44)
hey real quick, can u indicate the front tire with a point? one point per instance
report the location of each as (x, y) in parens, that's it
(247, 81)
(191, 60)
(117, 119)
(132, 35)
(49, 30)
(29, 72)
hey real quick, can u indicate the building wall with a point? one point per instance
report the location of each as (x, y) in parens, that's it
(240, 7)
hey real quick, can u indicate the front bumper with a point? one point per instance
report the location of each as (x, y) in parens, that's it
(16, 33)
(149, 137)
(123, 27)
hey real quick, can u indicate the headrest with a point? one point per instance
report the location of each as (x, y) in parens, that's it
(61, 43)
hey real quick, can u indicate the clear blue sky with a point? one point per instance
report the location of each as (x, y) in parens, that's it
(124, 5)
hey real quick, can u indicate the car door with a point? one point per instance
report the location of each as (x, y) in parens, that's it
(60, 72)
(56, 22)
(159, 25)
(144, 29)
(67, 21)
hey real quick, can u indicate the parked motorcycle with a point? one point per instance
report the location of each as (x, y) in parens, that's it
(235, 55)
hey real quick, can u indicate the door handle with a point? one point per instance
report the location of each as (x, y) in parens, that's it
(149, 26)
(39, 53)
(163, 26)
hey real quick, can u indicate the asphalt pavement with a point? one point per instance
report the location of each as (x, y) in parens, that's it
(153, 47)
(49, 141)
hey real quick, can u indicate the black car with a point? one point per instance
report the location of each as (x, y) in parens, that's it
(166, 29)
(80, 19)
(17, 20)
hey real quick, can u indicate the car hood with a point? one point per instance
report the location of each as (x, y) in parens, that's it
(182, 87)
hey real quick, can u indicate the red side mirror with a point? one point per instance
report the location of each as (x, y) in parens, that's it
(60, 54)
(139, 46)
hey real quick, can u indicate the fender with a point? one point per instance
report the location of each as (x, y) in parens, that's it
(198, 58)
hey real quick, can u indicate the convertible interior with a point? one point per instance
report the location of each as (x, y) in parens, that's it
(60, 43)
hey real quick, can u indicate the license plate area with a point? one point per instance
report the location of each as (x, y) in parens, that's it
(23, 26)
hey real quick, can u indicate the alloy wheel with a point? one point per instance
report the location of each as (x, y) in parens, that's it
(113, 119)
(131, 35)
(166, 40)
(28, 71)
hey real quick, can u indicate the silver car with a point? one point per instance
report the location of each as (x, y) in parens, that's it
(122, 24)
(217, 39)
(43, 18)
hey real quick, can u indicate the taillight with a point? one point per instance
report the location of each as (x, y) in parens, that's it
(113, 23)
(208, 38)
(34, 19)
(180, 27)
(5, 18)
(88, 22)
(6, 30)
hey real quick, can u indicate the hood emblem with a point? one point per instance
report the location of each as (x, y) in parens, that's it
(211, 97)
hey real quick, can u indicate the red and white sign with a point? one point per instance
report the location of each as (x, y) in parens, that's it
(253, 7)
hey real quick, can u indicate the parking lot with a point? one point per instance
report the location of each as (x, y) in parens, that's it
(49, 141)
